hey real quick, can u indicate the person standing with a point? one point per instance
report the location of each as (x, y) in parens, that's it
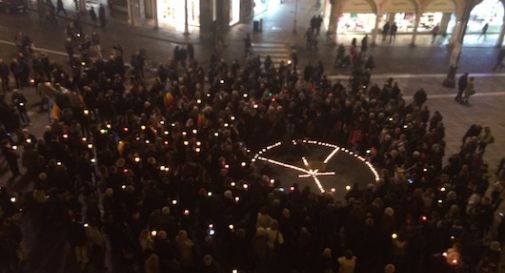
(469, 91)
(483, 32)
(385, 31)
(19, 101)
(101, 15)
(462, 82)
(11, 156)
(60, 7)
(347, 263)
(394, 29)
(364, 44)
(95, 44)
(247, 44)
(92, 15)
(4, 75)
(434, 33)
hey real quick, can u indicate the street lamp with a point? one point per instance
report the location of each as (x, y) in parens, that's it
(450, 79)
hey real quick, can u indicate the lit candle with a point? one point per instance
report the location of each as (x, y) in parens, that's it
(174, 202)
(394, 236)
(348, 188)
(13, 199)
(153, 233)
(143, 127)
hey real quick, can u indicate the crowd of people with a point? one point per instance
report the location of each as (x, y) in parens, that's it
(157, 172)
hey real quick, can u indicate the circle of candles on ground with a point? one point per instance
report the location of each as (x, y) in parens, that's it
(394, 236)
(13, 199)
(348, 188)
(153, 233)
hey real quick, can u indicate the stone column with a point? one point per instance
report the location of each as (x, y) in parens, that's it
(131, 20)
(499, 42)
(416, 25)
(333, 25)
(376, 29)
(155, 13)
(142, 10)
(444, 23)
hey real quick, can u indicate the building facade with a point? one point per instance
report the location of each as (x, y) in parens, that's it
(198, 15)
(415, 16)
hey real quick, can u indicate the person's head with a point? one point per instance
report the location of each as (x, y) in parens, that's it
(348, 254)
